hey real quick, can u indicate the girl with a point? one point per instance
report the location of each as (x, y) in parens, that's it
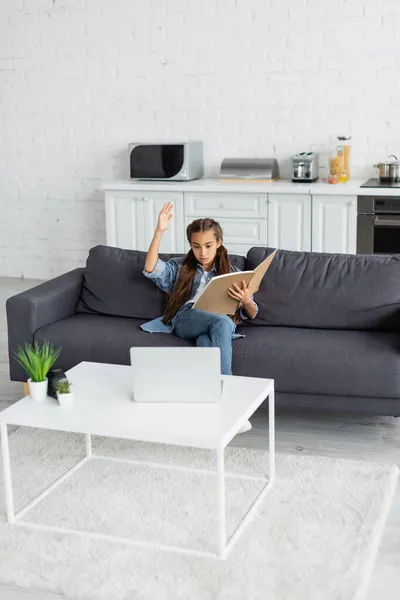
(184, 279)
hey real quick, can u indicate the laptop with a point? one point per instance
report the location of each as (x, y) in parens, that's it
(189, 374)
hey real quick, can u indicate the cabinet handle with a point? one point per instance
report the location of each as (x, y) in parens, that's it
(222, 205)
(352, 203)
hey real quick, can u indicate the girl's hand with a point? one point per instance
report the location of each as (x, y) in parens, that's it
(165, 217)
(243, 295)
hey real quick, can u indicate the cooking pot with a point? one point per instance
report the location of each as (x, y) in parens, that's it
(389, 171)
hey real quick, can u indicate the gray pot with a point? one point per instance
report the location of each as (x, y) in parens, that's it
(389, 171)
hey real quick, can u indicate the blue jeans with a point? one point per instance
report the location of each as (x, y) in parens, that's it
(208, 330)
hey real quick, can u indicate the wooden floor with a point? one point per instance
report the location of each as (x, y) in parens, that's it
(345, 436)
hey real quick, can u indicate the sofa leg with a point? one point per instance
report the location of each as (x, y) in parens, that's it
(26, 389)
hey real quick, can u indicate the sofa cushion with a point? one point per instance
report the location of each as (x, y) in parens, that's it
(100, 338)
(318, 361)
(303, 361)
(114, 284)
(328, 291)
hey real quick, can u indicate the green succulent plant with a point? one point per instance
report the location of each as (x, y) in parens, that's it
(37, 360)
(63, 386)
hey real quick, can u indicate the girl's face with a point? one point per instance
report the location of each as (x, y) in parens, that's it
(204, 246)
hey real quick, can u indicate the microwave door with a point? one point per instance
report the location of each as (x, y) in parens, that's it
(146, 162)
(156, 161)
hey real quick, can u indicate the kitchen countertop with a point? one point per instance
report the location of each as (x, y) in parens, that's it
(283, 186)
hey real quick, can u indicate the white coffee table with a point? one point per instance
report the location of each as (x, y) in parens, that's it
(103, 406)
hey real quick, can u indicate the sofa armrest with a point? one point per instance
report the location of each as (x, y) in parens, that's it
(41, 305)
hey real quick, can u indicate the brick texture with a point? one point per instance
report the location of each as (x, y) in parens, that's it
(80, 79)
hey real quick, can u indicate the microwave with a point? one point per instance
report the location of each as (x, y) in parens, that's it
(173, 162)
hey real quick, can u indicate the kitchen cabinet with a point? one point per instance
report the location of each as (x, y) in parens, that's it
(318, 217)
(124, 219)
(242, 217)
(289, 221)
(334, 223)
(131, 219)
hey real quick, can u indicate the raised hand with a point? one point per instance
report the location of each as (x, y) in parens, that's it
(165, 217)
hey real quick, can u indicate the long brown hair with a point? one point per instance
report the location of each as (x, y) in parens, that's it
(183, 285)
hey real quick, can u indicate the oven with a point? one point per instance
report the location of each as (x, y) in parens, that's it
(378, 225)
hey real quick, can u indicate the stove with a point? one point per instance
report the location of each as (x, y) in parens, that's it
(376, 183)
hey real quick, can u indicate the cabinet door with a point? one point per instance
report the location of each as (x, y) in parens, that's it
(289, 221)
(173, 240)
(334, 224)
(131, 218)
(124, 221)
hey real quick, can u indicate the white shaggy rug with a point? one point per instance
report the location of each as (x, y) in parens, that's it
(314, 537)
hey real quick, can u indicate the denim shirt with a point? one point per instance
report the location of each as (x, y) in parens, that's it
(164, 276)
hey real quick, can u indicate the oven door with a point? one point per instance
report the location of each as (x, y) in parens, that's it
(378, 234)
(387, 234)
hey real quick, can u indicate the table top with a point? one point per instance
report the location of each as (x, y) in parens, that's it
(103, 405)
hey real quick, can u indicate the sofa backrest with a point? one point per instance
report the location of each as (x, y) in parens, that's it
(328, 291)
(114, 284)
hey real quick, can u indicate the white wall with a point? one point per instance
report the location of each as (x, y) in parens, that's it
(80, 79)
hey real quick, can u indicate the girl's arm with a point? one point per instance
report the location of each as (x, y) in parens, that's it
(152, 253)
(250, 309)
(163, 222)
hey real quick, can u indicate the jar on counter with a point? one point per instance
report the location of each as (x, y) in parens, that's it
(335, 165)
(344, 148)
(339, 162)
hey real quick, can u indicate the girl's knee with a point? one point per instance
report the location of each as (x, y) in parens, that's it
(223, 324)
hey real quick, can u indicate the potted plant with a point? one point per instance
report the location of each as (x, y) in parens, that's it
(64, 394)
(37, 360)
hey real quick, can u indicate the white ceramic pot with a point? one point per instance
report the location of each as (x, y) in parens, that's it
(65, 399)
(38, 389)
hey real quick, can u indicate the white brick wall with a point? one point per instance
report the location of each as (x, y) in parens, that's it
(80, 79)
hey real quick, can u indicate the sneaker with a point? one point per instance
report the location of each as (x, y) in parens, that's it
(245, 427)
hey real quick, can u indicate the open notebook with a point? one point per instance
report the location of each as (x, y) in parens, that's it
(215, 296)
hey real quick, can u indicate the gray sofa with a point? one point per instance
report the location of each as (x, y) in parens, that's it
(328, 329)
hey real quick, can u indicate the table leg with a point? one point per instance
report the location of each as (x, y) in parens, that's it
(221, 502)
(271, 434)
(88, 438)
(7, 474)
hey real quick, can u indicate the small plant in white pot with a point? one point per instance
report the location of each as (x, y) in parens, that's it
(37, 360)
(64, 394)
